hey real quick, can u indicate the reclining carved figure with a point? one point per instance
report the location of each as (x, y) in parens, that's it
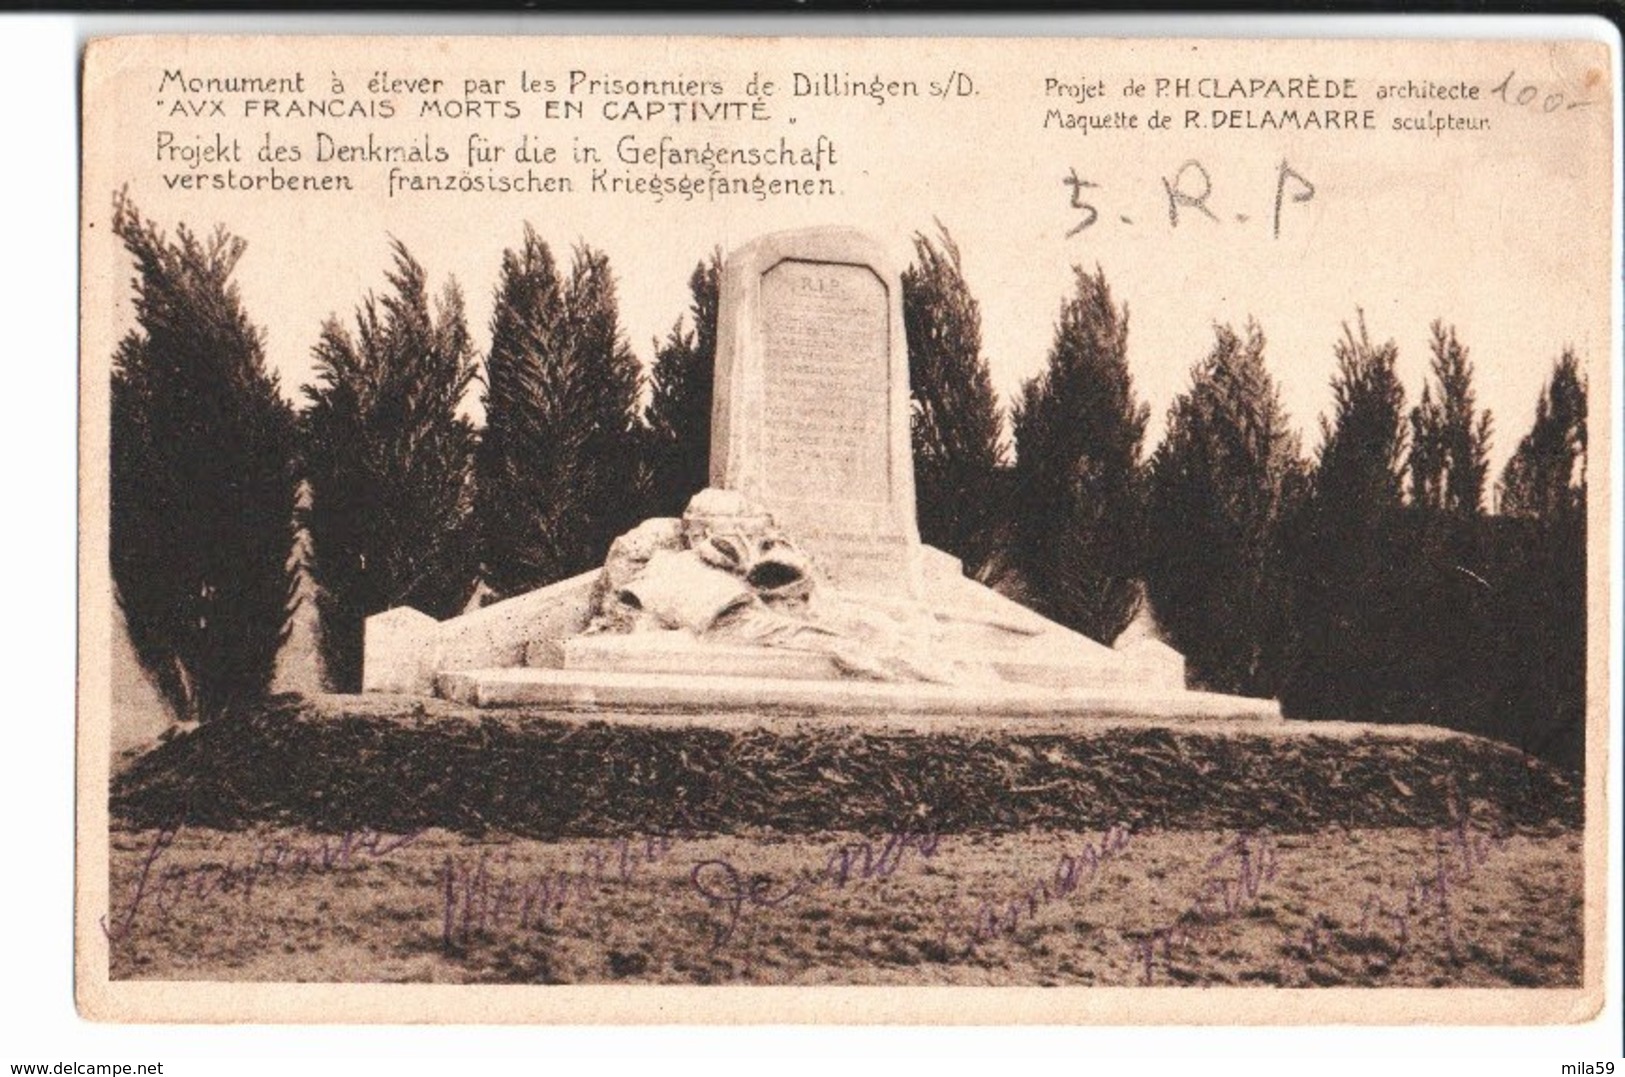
(726, 573)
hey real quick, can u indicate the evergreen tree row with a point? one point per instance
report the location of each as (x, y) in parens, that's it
(1365, 583)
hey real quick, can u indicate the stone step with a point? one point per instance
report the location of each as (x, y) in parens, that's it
(1041, 661)
(579, 689)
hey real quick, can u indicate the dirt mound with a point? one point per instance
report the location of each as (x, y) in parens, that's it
(345, 763)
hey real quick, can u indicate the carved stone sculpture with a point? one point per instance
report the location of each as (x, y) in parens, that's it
(726, 573)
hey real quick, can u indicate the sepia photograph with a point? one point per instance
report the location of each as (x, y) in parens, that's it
(623, 518)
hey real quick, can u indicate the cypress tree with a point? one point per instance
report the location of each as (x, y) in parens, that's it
(559, 467)
(1358, 477)
(955, 428)
(1545, 478)
(388, 459)
(1349, 546)
(1449, 458)
(202, 475)
(1540, 545)
(1220, 486)
(1448, 640)
(679, 414)
(1078, 498)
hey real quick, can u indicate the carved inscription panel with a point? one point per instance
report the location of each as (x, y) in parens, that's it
(825, 401)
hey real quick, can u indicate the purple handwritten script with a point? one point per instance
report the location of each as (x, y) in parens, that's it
(1393, 915)
(1003, 915)
(1244, 865)
(485, 896)
(735, 891)
(172, 885)
(1458, 853)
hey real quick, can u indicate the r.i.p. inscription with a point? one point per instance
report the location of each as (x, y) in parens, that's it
(824, 331)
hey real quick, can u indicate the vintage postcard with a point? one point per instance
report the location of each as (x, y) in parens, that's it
(732, 529)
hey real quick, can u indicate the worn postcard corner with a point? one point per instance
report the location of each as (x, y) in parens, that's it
(749, 529)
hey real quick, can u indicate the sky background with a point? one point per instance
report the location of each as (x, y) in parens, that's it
(1503, 233)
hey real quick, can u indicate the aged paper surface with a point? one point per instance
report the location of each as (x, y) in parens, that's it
(1420, 838)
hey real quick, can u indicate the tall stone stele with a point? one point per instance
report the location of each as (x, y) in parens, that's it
(811, 414)
(811, 452)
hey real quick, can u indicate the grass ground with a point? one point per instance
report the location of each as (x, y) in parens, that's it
(1463, 906)
(369, 839)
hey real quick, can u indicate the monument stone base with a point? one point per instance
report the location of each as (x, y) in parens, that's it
(531, 650)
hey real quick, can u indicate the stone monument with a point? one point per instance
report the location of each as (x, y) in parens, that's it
(799, 579)
(811, 414)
